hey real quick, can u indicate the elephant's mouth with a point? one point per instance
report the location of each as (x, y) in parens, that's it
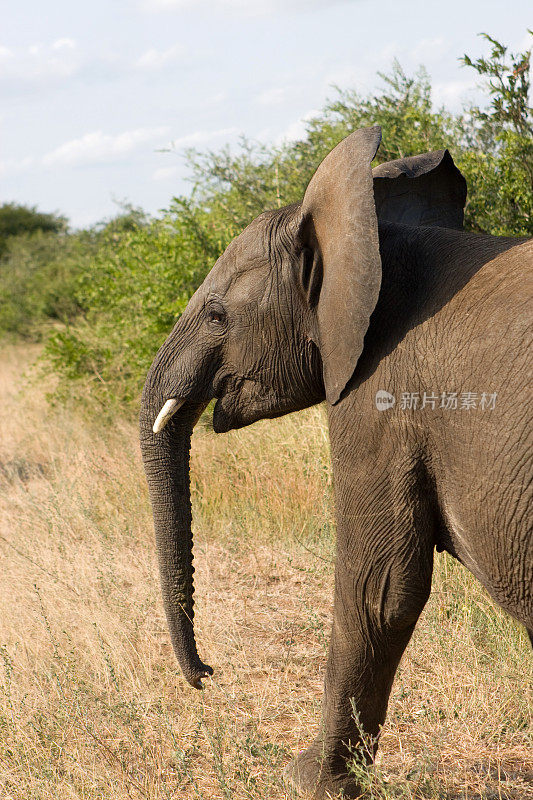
(247, 402)
(223, 420)
(238, 403)
(225, 390)
(230, 414)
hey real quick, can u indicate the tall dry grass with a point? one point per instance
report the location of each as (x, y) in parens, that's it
(91, 702)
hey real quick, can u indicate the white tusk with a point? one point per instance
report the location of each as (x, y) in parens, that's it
(168, 410)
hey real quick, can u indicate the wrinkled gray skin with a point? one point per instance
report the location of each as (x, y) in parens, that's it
(314, 302)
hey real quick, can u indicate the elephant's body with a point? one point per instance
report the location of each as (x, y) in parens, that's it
(469, 461)
(314, 302)
(409, 480)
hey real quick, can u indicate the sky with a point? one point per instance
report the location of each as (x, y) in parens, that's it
(98, 100)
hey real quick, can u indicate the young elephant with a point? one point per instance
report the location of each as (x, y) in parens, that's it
(369, 295)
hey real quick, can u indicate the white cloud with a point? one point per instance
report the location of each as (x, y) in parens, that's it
(429, 49)
(452, 94)
(163, 173)
(13, 165)
(97, 146)
(201, 137)
(272, 97)
(61, 44)
(525, 42)
(154, 59)
(345, 75)
(40, 61)
(191, 140)
(248, 7)
(296, 129)
(216, 99)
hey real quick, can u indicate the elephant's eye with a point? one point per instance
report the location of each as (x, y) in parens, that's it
(216, 316)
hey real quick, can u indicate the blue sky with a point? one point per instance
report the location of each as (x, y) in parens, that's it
(92, 92)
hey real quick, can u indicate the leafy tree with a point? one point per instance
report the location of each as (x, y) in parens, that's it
(498, 147)
(129, 218)
(38, 280)
(508, 86)
(16, 219)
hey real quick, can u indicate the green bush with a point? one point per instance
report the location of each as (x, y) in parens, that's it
(498, 146)
(138, 282)
(38, 280)
(16, 219)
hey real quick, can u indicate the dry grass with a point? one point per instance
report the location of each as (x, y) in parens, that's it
(92, 706)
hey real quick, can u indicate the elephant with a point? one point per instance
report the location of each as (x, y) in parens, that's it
(371, 296)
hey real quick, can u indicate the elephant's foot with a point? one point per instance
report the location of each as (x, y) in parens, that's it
(314, 776)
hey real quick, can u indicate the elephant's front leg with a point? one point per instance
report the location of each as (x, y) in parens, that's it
(382, 582)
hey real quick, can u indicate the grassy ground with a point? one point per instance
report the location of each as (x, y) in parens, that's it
(91, 703)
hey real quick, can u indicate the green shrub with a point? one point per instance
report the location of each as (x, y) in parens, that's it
(139, 281)
(498, 146)
(16, 219)
(38, 280)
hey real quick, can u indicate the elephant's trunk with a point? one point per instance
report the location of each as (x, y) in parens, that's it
(166, 463)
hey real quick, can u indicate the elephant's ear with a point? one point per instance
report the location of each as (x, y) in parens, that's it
(340, 266)
(421, 190)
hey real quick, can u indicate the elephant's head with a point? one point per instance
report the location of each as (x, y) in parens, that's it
(277, 325)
